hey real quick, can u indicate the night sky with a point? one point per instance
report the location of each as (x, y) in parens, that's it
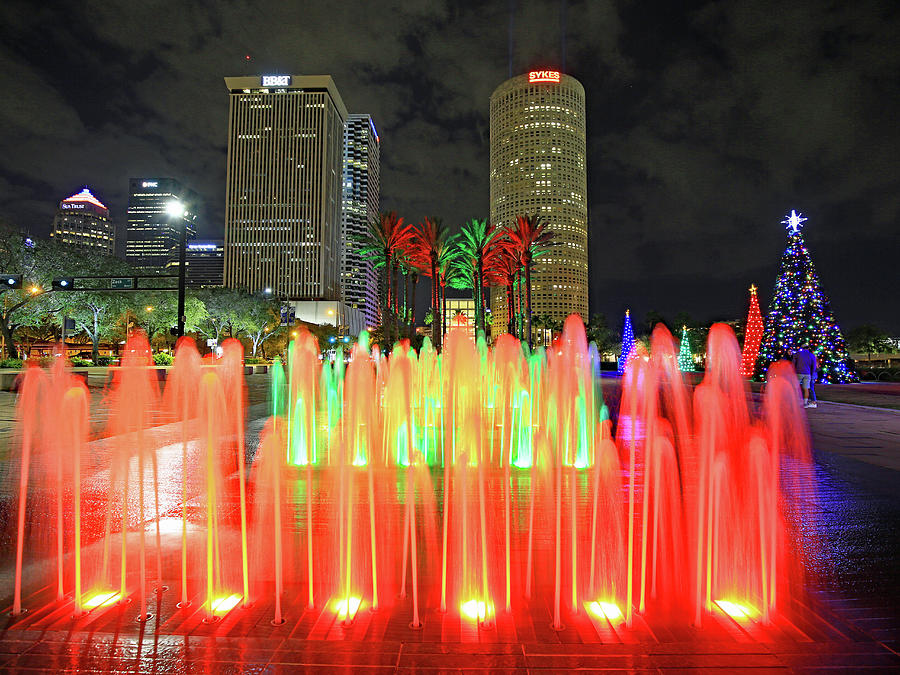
(707, 123)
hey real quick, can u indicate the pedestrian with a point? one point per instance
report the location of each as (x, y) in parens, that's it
(807, 369)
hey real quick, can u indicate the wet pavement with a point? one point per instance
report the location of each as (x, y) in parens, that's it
(849, 621)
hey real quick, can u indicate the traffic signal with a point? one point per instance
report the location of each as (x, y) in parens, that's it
(64, 284)
(12, 281)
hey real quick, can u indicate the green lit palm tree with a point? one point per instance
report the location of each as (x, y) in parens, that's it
(477, 240)
(385, 238)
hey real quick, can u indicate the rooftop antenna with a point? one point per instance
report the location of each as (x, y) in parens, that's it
(512, 21)
(562, 21)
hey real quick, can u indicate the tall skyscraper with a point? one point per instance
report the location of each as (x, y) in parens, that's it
(153, 235)
(283, 187)
(82, 221)
(538, 167)
(362, 167)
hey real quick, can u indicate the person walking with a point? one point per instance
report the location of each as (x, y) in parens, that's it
(807, 369)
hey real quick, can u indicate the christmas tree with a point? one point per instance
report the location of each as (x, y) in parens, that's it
(800, 314)
(627, 342)
(753, 333)
(685, 357)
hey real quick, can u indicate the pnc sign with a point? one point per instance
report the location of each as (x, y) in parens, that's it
(150, 183)
(543, 76)
(276, 80)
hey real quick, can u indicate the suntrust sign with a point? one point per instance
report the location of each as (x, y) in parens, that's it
(543, 76)
(276, 80)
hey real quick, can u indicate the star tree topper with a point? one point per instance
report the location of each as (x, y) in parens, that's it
(794, 222)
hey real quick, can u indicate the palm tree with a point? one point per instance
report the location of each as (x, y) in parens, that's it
(385, 238)
(478, 239)
(433, 242)
(505, 273)
(533, 239)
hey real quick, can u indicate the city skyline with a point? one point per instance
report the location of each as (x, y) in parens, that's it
(686, 191)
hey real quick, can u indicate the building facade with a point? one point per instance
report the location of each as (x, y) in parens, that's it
(362, 164)
(283, 186)
(204, 264)
(82, 221)
(153, 235)
(538, 167)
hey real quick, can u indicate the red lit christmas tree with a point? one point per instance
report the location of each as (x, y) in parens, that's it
(753, 333)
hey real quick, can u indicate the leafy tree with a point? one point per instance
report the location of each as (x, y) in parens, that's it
(599, 332)
(38, 263)
(97, 312)
(260, 319)
(868, 339)
(652, 318)
(223, 309)
(157, 312)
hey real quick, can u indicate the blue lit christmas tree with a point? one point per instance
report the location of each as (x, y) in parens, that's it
(685, 357)
(800, 314)
(627, 342)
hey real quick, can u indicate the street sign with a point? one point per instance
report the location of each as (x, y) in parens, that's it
(121, 283)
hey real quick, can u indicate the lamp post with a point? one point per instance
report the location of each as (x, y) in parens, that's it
(176, 210)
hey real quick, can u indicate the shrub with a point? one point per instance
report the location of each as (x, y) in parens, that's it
(105, 361)
(162, 359)
(11, 363)
(78, 362)
(251, 360)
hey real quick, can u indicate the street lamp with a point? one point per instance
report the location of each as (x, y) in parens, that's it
(175, 209)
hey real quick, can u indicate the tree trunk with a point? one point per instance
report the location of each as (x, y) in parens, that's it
(479, 304)
(10, 347)
(410, 302)
(395, 280)
(435, 304)
(520, 306)
(528, 298)
(95, 340)
(443, 310)
(385, 297)
(510, 306)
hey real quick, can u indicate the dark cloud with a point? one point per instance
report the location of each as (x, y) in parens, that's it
(707, 121)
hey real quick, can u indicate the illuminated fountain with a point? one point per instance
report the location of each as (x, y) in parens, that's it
(476, 482)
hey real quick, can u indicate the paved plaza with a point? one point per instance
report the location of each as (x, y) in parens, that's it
(848, 622)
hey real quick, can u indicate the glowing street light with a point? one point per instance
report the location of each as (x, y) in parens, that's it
(149, 308)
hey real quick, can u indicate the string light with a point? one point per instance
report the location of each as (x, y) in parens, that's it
(685, 356)
(753, 333)
(627, 342)
(801, 314)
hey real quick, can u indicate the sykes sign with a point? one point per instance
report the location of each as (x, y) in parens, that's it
(276, 80)
(543, 76)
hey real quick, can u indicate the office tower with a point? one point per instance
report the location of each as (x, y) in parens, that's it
(205, 263)
(283, 187)
(537, 167)
(362, 159)
(82, 221)
(153, 234)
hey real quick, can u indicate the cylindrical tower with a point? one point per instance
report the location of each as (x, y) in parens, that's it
(538, 167)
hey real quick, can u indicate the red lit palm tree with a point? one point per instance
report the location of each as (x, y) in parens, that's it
(432, 243)
(532, 237)
(505, 272)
